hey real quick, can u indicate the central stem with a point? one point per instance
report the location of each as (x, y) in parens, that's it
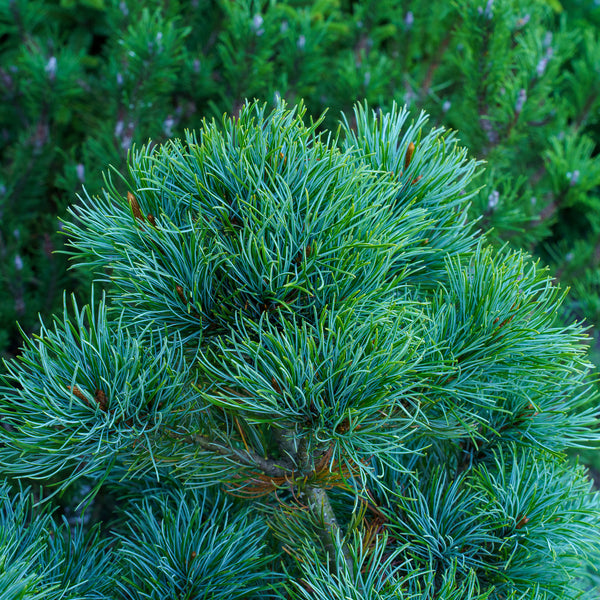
(319, 503)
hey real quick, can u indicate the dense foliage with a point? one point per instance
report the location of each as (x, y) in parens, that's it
(310, 379)
(81, 80)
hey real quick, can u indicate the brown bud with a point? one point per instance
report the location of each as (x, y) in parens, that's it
(135, 207)
(101, 399)
(151, 220)
(408, 156)
(275, 385)
(77, 392)
(180, 293)
(524, 520)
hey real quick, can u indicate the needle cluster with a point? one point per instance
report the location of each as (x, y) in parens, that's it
(310, 379)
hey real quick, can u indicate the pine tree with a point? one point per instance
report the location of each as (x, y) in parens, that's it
(82, 80)
(310, 378)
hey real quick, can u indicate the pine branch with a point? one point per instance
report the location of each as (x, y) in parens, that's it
(269, 466)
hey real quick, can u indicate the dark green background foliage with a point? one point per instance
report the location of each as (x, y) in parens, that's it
(81, 81)
(310, 379)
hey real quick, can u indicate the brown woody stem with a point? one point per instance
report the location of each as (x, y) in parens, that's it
(318, 501)
(269, 466)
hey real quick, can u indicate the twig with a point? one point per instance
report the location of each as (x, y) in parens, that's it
(318, 501)
(269, 466)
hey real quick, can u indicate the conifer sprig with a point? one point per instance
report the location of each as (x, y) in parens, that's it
(384, 399)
